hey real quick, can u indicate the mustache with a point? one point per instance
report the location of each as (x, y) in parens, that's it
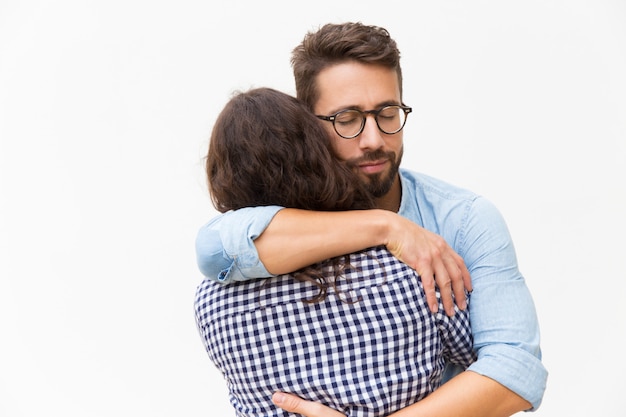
(372, 156)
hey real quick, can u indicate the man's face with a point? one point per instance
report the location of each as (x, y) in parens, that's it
(374, 155)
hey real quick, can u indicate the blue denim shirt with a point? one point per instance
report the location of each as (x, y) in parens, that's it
(503, 317)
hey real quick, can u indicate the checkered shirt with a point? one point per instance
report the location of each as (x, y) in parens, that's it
(370, 357)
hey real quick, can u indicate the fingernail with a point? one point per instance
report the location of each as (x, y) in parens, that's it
(278, 398)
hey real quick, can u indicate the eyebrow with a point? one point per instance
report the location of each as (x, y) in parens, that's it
(378, 106)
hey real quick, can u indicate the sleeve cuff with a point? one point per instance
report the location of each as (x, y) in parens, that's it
(516, 369)
(238, 230)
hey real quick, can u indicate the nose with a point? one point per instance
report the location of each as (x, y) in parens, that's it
(371, 137)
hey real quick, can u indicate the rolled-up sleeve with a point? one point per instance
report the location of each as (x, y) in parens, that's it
(502, 313)
(508, 346)
(225, 250)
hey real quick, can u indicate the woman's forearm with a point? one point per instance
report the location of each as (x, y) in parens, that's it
(297, 238)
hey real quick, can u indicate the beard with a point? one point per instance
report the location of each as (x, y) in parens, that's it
(378, 185)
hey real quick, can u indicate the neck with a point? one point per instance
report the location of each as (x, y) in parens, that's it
(391, 200)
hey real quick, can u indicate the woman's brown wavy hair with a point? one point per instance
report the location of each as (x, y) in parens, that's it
(267, 148)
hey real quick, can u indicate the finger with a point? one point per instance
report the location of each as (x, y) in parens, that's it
(428, 282)
(445, 287)
(457, 283)
(467, 278)
(295, 404)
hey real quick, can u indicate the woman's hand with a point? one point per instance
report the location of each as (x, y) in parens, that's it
(433, 259)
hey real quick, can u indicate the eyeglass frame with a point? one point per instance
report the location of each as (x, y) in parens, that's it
(331, 118)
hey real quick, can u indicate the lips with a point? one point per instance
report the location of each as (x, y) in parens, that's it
(373, 167)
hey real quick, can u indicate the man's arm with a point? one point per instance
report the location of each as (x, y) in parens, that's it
(466, 395)
(290, 239)
(503, 318)
(472, 395)
(508, 376)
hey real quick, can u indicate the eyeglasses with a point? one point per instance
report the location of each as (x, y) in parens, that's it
(350, 123)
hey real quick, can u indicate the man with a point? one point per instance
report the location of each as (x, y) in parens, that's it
(350, 75)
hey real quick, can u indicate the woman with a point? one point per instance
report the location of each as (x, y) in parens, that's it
(353, 332)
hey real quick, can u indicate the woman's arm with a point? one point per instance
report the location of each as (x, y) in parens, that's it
(297, 238)
(256, 242)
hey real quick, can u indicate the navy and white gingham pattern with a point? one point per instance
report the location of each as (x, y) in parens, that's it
(366, 358)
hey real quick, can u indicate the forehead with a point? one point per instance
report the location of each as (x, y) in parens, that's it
(356, 85)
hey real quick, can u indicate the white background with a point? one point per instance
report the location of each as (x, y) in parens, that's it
(105, 112)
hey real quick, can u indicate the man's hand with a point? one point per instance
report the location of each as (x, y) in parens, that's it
(294, 404)
(434, 260)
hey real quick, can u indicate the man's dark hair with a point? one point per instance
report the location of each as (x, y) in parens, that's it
(337, 43)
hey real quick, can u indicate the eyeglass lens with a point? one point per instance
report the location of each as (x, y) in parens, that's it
(350, 123)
